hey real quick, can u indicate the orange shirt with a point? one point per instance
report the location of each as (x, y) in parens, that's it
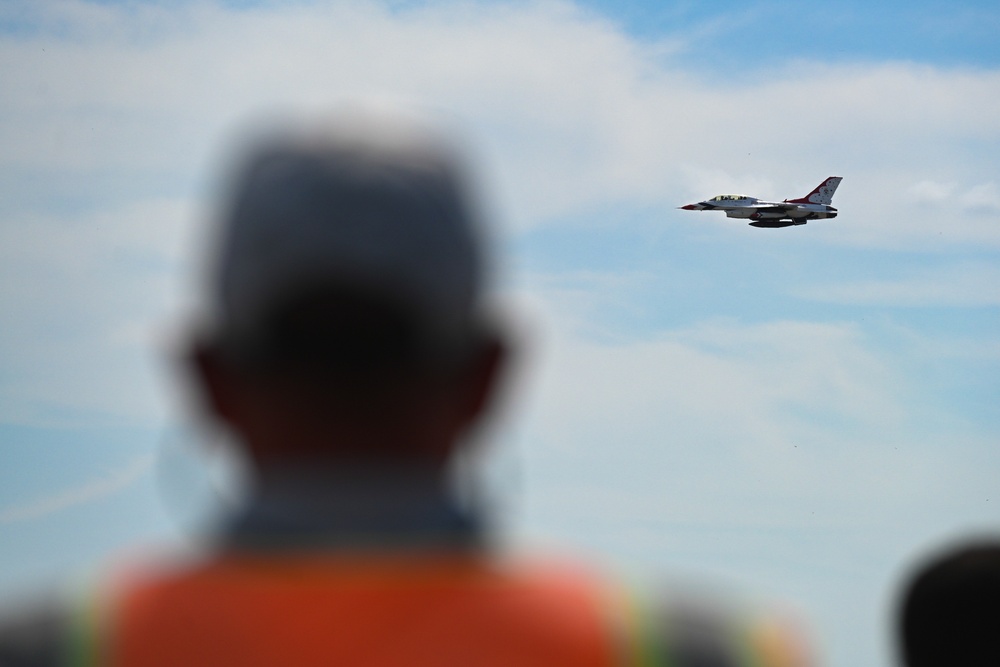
(312, 610)
(387, 611)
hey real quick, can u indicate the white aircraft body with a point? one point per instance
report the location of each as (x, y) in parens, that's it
(814, 206)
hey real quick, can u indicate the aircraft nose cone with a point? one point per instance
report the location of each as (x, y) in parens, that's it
(689, 207)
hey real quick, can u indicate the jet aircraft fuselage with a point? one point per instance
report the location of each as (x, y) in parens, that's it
(760, 213)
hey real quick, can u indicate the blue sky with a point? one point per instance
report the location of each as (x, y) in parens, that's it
(846, 31)
(795, 413)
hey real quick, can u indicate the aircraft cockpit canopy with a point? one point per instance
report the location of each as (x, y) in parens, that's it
(728, 198)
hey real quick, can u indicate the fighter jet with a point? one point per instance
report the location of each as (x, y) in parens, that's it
(814, 206)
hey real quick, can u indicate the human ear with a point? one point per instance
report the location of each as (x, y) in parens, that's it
(214, 381)
(483, 378)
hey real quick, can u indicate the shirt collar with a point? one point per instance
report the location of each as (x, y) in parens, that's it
(352, 507)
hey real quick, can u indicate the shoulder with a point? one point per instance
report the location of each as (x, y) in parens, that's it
(38, 633)
(686, 630)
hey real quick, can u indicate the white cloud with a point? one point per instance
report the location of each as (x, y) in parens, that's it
(771, 386)
(944, 200)
(931, 191)
(571, 111)
(983, 199)
(961, 285)
(803, 459)
(770, 413)
(81, 301)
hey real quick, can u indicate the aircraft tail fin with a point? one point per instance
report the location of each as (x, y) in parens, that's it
(822, 194)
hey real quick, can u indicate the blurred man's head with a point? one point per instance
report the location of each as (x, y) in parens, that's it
(347, 297)
(950, 611)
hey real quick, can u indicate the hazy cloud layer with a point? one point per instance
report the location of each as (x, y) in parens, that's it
(84, 299)
(571, 111)
(91, 491)
(970, 284)
(119, 111)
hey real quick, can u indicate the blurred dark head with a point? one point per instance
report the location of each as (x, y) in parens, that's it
(950, 611)
(346, 314)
